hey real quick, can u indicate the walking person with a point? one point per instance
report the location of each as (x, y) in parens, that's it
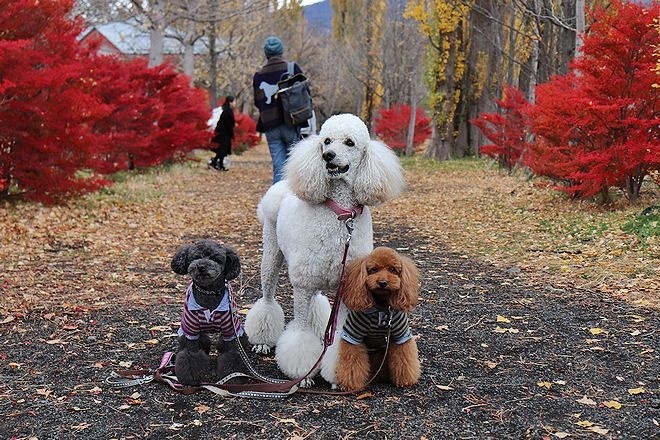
(224, 133)
(279, 136)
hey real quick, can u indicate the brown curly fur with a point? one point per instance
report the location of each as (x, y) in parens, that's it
(387, 278)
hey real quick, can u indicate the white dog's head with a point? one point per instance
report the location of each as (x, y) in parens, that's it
(343, 152)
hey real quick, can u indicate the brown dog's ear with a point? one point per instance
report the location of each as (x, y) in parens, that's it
(356, 296)
(406, 298)
(232, 264)
(180, 260)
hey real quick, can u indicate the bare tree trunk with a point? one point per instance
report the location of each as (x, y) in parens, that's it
(533, 79)
(512, 45)
(579, 26)
(410, 138)
(213, 66)
(156, 37)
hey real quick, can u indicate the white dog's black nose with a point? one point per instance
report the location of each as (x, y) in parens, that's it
(328, 156)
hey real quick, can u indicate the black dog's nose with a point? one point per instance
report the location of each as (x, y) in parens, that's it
(328, 156)
(382, 284)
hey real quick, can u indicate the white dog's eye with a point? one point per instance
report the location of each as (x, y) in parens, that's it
(349, 142)
(327, 141)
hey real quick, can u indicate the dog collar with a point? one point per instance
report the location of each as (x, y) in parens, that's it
(198, 289)
(342, 212)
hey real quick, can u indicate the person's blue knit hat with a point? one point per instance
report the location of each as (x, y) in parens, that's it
(273, 47)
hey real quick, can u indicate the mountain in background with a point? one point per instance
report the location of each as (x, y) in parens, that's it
(319, 16)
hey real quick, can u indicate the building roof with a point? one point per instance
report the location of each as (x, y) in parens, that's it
(131, 38)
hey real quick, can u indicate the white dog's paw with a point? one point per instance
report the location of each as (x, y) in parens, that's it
(306, 383)
(261, 348)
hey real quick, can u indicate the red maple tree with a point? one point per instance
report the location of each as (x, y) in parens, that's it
(48, 104)
(507, 129)
(245, 133)
(68, 116)
(391, 125)
(599, 125)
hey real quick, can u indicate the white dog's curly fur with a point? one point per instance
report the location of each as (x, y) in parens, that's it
(342, 164)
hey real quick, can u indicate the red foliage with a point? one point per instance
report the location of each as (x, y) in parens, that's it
(506, 130)
(392, 126)
(68, 116)
(599, 124)
(245, 133)
(48, 104)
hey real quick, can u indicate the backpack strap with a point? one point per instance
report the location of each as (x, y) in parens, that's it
(289, 68)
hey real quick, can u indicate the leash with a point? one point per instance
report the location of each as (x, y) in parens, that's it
(266, 387)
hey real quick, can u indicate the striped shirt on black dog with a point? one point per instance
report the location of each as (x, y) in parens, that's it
(371, 327)
(196, 319)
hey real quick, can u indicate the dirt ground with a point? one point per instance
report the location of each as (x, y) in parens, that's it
(505, 354)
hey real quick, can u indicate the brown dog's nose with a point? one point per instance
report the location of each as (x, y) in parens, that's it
(382, 284)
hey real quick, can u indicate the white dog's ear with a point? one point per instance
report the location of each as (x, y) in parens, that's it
(305, 171)
(381, 176)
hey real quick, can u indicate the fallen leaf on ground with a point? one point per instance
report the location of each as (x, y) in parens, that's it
(544, 384)
(612, 404)
(634, 391)
(584, 423)
(202, 408)
(561, 434)
(501, 318)
(598, 430)
(587, 401)
(444, 387)
(596, 331)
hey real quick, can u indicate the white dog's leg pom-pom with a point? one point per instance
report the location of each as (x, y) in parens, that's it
(329, 362)
(264, 324)
(296, 353)
(319, 314)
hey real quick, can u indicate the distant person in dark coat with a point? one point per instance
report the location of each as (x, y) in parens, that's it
(279, 135)
(224, 133)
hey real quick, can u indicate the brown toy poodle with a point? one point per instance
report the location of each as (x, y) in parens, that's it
(381, 288)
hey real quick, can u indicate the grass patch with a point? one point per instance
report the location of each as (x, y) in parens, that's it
(645, 224)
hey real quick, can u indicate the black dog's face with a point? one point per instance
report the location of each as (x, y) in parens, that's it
(208, 263)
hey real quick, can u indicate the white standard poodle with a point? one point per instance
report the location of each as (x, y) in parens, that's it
(341, 167)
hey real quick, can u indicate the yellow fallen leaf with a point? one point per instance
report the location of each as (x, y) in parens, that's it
(612, 404)
(598, 430)
(499, 329)
(490, 364)
(544, 384)
(152, 341)
(596, 331)
(243, 311)
(8, 319)
(587, 401)
(364, 395)
(584, 423)
(125, 364)
(202, 408)
(634, 391)
(636, 318)
(135, 396)
(501, 318)
(160, 328)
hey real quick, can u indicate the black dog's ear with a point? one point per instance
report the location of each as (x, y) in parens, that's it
(232, 264)
(180, 260)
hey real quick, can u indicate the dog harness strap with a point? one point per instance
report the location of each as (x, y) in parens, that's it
(342, 212)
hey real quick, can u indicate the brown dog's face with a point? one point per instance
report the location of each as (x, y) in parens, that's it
(383, 274)
(382, 278)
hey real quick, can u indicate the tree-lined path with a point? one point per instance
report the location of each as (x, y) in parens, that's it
(508, 350)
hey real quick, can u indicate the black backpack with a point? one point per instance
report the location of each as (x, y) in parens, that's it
(293, 93)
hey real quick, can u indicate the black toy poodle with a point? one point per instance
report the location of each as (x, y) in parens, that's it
(207, 310)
